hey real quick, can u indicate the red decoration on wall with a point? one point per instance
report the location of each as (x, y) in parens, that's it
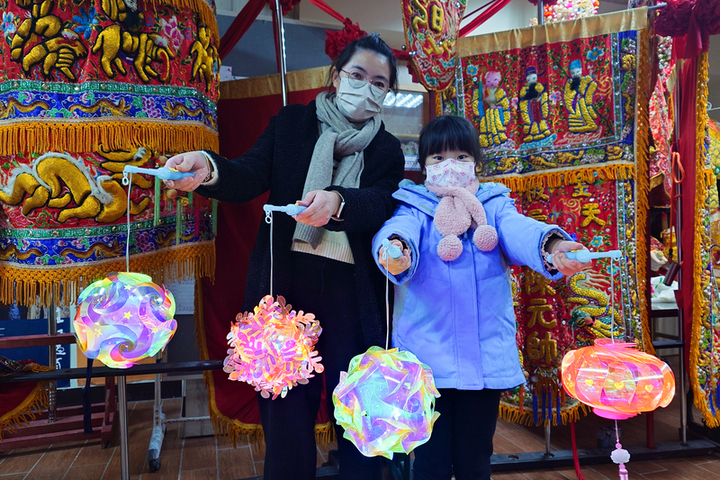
(337, 41)
(288, 5)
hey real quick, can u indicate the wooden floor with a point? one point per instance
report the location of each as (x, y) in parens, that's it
(207, 458)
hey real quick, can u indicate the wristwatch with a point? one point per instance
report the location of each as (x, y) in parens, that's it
(211, 170)
(337, 215)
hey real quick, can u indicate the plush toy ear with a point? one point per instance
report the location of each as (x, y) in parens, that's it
(449, 248)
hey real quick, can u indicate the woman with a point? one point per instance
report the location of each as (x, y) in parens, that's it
(335, 155)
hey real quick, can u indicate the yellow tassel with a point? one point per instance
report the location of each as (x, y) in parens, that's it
(642, 185)
(701, 179)
(28, 410)
(58, 136)
(558, 178)
(25, 285)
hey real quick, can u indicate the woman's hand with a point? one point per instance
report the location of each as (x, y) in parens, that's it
(193, 162)
(564, 265)
(395, 266)
(322, 205)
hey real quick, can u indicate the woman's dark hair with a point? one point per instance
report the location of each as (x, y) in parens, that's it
(449, 132)
(372, 43)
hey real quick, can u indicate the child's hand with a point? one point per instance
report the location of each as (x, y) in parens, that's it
(562, 263)
(395, 266)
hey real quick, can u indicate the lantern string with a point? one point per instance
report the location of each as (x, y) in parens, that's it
(127, 180)
(269, 221)
(387, 300)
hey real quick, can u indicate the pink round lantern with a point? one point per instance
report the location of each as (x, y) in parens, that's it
(273, 348)
(617, 380)
(123, 319)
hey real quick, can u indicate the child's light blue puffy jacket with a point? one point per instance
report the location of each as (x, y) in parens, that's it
(458, 316)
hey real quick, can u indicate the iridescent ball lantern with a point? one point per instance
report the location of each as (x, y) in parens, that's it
(273, 348)
(617, 380)
(386, 402)
(123, 319)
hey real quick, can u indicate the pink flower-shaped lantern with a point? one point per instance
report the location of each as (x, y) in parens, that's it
(273, 348)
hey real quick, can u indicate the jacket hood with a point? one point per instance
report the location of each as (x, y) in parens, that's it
(424, 200)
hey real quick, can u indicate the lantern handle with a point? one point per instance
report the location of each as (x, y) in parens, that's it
(391, 249)
(584, 256)
(164, 173)
(290, 209)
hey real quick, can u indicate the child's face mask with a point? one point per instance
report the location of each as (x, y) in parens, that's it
(450, 173)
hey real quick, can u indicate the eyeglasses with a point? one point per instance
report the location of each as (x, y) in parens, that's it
(358, 79)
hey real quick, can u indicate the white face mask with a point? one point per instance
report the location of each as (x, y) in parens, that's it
(450, 173)
(358, 104)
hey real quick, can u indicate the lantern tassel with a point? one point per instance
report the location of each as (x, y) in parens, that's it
(535, 406)
(623, 472)
(620, 456)
(521, 398)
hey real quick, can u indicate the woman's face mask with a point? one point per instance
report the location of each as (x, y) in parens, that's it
(359, 101)
(450, 173)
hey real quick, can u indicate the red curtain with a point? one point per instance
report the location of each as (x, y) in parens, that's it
(686, 146)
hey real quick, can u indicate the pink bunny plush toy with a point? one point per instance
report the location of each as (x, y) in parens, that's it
(458, 211)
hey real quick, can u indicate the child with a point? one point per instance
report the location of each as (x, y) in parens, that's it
(455, 308)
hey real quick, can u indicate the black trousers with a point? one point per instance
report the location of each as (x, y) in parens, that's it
(461, 440)
(325, 288)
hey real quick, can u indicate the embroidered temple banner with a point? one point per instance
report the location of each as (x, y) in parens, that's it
(432, 29)
(561, 113)
(86, 88)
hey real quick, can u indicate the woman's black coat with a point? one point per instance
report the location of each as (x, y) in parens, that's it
(279, 161)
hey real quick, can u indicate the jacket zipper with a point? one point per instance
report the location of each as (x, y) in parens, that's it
(475, 303)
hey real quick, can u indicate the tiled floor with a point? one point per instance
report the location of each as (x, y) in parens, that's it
(207, 458)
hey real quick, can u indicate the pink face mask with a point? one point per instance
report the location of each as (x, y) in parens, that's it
(450, 173)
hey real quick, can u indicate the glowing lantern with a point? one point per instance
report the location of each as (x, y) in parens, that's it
(386, 402)
(273, 348)
(124, 318)
(617, 380)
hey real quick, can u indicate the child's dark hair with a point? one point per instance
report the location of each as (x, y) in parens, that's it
(372, 43)
(449, 132)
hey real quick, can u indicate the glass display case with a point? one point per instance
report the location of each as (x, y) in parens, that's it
(404, 114)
